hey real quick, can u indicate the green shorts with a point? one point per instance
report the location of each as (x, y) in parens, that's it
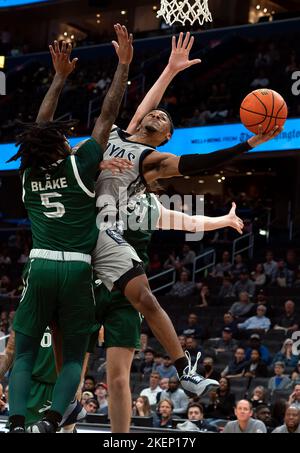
(122, 323)
(60, 290)
(40, 399)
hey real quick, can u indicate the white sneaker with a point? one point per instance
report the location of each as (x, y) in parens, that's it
(194, 383)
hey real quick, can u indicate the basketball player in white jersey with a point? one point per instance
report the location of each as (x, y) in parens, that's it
(116, 263)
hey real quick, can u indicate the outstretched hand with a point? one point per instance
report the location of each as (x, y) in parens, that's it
(179, 58)
(234, 221)
(260, 138)
(61, 58)
(123, 47)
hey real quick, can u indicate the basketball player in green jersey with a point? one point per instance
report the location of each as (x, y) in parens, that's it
(58, 192)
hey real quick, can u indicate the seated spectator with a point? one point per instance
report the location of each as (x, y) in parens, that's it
(102, 394)
(238, 267)
(256, 367)
(195, 415)
(89, 384)
(172, 262)
(148, 362)
(244, 423)
(270, 266)
(165, 416)
(177, 396)
(91, 406)
(244, 285)
(226, 290)
(263, 413)
(23, 258)
(204, 297)
(258, 322)
(141, 407)
(221, 402)
(279, 381)
(288, 321)
(295, 376)
(153, 390)
(164, 383)
(261, 299)
(192, 347)
(144, 343)
(286, 355)
(255, 343)
(188, 258)
(192, 327)
(230, 322)
(167, 369)
(182, 341)
(291, 260)
(155, 264)
(158, 360)
(294, 398)
(184, 287)
(259, 396)
(226, 343)
(224, 266)
(209, 371)
(259, 276)
(242, 308)
(283, 276)
(236, 367)
(291, 421)
(5, 285)
(86, 396)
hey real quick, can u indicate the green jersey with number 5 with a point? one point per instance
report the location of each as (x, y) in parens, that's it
(61, 201)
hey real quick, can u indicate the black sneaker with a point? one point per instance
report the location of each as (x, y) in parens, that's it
(42, 427)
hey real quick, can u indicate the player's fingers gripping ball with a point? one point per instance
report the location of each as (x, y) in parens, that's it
(265, 108)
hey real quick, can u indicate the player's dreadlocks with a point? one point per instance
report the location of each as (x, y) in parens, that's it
(41, 144)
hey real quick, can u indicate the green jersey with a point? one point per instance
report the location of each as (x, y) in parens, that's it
(61, 201)
(44, 370)
(143, 221)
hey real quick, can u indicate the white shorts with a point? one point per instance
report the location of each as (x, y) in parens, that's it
(113, 257)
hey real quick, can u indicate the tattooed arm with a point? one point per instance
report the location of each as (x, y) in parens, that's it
(113, 99)
(63, 67)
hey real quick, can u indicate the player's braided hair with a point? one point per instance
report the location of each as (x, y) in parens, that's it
(40, 144)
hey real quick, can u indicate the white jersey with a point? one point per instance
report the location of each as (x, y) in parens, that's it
(115, 193)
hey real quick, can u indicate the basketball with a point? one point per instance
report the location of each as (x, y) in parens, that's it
(263, 107)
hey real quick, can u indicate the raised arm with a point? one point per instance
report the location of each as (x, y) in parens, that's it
(63, 68)
(175, 220)
(178, 61)
(164, 165)
(113, 98)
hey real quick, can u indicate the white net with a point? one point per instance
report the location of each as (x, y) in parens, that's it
(184, 10)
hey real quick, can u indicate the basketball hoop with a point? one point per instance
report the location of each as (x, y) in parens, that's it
(184, 10)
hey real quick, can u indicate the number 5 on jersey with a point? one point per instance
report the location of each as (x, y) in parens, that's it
(59, 207)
